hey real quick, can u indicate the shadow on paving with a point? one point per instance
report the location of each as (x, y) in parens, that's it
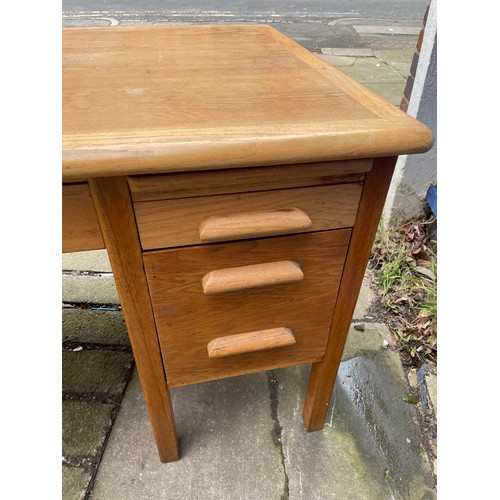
(97, 364)
(243, 437)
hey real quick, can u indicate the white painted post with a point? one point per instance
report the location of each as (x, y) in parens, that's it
(415, 173)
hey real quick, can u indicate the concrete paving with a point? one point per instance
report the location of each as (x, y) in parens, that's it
(224, 429)
(376, 70)
(97, 363)
(83, 326)
(96, 261)
(243, 437)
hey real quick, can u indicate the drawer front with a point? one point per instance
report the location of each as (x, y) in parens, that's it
(283, 319)
(192, 221)
(245, 180)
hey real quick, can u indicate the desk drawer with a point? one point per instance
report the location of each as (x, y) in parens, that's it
(191, 221)
(188, 320)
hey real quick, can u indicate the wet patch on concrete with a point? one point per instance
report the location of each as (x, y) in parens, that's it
(371, 446)
(369, 396)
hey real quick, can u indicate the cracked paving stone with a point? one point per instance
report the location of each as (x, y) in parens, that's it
(277, 429)
(371, 70)
(96, 372)
(85, 425)
(75, 481)
(371, 446)
(227, 451)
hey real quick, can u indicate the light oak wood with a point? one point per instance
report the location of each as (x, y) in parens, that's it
(187, 319)
(116, 218)
(241, 180)
(172, 223)
(253, 224)
(165, 103)
(323, 374)
(254, 276)
(207, 122)
(80, 228)
(250, 342)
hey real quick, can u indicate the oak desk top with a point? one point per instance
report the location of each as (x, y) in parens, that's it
(154, 99)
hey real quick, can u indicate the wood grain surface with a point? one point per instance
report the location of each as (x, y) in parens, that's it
(253, 276)
(324, 373)
(187, 319)
(153, 99)
(244, 225)
(250, 342)
(116, 218)
(80, 228)
(242, 180)
(172, 223)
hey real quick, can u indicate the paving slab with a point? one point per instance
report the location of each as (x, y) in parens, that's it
(225, 433)
(392, 29)
(95, 327)
(403, 68)
(371, 446)
(83, 289)
(365, 298)
(370, 70)
(96, 372)
(391, 92)
(391, 55)
(85, 425)
(431, 385)
(347, 52)
(75, 481)
(337, 61)
(93, 260)
(370, 338)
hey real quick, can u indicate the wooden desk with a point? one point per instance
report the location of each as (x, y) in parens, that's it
(236, 181)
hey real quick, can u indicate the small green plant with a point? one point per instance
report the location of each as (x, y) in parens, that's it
(405, 269)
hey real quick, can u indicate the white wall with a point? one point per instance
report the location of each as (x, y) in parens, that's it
(415, 173)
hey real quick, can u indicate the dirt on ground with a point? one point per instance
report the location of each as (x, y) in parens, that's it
(404, 267)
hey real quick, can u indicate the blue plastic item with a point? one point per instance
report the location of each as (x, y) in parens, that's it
(431, 198)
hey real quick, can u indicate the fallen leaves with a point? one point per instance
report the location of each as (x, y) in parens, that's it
(405, 266)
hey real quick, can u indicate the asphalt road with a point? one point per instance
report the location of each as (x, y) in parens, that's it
(313, 23)
(303, 10)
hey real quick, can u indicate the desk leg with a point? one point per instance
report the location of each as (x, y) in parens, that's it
(115, 213)
(323, 373)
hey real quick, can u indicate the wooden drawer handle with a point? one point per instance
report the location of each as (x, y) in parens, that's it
(249, 342)
(253, 224)
(256, 275)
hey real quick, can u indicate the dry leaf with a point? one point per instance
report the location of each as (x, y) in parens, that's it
(425, 272)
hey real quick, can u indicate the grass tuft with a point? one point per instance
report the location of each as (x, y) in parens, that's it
(405, 266)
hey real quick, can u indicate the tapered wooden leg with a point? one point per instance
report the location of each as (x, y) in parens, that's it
(323, 373)
(115, 213)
